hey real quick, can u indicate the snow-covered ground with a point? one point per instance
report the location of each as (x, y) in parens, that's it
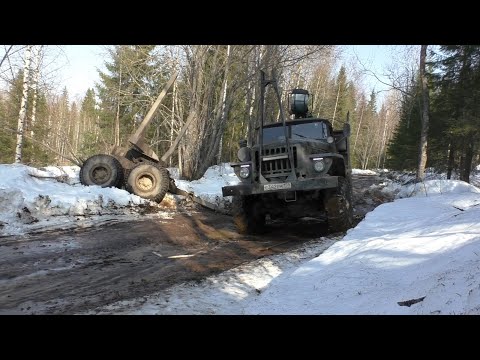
(423, 248)
(417, 255)
(52, 198)
(209, 187)
(363, 172)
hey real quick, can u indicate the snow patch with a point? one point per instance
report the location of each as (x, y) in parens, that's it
(33, 198)
(420, 247)
(363, 172)
(209, 187)
(435, 187)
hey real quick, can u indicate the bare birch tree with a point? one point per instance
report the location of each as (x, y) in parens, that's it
(35, 77)
(422, 155)
(23, 105)
(224, 99)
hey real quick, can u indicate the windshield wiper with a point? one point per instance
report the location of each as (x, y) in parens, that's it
(300, 135)
(306, 137)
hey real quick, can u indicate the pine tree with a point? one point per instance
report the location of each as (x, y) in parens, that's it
(89, 144)
(343, 100)
(126, 91)
(402, 152)
(11, 105)
(458, 105)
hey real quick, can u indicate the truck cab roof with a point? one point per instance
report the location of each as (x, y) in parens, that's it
(298, 121)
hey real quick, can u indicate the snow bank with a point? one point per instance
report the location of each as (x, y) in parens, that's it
(417, 255)
(435, 187)
(31, 198)
(209, 187)
(363, 172)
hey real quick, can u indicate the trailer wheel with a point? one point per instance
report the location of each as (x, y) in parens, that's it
(338, 206)
(148, 181)
(102, 170)
(248, 215)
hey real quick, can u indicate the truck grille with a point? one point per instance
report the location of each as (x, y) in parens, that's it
(278, 167)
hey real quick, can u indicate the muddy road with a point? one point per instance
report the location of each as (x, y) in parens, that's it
(75, 271)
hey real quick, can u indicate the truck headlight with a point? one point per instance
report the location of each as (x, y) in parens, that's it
(244, 154)
(244, 171)
(318, 165)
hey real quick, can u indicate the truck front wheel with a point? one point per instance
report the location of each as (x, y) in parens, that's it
(338, 205)
(248, 215)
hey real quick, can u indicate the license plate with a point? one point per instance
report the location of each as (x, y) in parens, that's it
(280, 186)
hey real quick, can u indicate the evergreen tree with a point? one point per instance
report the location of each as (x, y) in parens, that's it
(343, 101)
(126, 91)
(89, 144)
(33, 153)
(458, 105)
(402, 152)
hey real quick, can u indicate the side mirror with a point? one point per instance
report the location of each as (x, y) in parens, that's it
(346, 129)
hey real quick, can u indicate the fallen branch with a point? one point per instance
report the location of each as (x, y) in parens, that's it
(60, 178)
(410, 302)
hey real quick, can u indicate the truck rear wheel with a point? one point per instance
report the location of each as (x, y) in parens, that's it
(338, 206)
(248, 215)
(148, 181)
(102, 170)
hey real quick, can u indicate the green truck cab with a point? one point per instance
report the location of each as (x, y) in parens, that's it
(295, 168)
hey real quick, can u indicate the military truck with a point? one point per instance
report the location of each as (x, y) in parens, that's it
(295, 168)
(136, 167)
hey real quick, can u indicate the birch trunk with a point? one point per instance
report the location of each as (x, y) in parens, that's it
(358, 128)
(451, 161)
(117, 118)
(173, 118)
(383, 143)
(36, 72)
(23, 105)
(422, 157)
(224, 98)
(336, 103)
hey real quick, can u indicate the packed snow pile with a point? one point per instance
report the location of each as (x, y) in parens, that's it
(435, 187)
(403, 184)
(209, 187)
(363, 172)
(32, 199)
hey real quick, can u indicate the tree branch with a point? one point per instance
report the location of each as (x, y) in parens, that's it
(74, 161)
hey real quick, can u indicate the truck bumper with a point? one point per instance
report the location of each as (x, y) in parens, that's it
(300, 185)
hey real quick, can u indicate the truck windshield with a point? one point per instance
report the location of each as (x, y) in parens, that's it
(314, 130)
(273, 134)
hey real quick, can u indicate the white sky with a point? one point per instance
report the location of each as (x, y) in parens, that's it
(80, 73)
(424, 246)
